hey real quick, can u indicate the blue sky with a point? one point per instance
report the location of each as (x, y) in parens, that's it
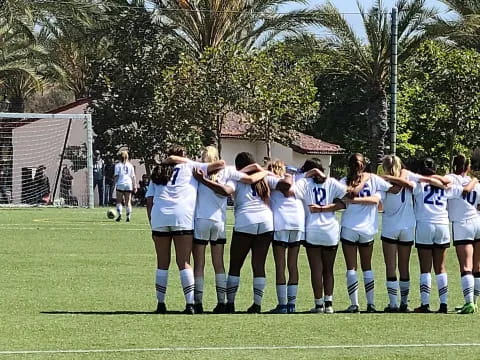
(350, 6)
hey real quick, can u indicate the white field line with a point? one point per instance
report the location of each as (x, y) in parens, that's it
(236, 348)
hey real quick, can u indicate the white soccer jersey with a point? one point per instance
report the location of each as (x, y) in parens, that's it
(398, 208)
(125, 173)
(431, 202)
(320, 194)
(174, 203)
(363, 218)
(249, 207)
(210, 205)
(463, 208)
(288, 212)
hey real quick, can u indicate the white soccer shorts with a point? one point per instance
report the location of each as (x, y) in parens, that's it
(466, 230)
(209, 230)
(325, 236)
(355, 237)
(256, 229)
(429, 235)
(124, 187)
(399, 235)
(289, 236)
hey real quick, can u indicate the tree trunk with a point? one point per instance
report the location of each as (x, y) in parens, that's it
(218, 134)
(269, 149)
(378, 126)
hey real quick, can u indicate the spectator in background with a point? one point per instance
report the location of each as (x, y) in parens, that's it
(66, 187)
(41, 186)
(142, 190)
(109, 173)
(98, 174)
(5, 193)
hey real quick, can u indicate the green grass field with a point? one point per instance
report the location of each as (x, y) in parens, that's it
(73, 280)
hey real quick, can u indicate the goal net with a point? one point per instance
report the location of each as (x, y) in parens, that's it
(46, 159)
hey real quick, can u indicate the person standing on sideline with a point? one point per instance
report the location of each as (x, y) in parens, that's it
(109, 174)
(126, 184)
(98, 171)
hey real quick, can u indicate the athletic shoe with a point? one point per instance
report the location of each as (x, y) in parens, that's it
(161, 308)
(468, 308)
(230, 308)
(328, 309)
(371, 308)
(220, 309)
(404, 308)
(318, 309)
(119, 218)
(352, 309)
(424, 309)
(391, 309)
(198, 308)
(443, 309)
(189, 309)
(128, 219)
(254, 309)
(280, 309)
(291, 309)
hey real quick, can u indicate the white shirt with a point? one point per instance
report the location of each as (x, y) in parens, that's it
(398, 208)
(210, 205)
(125, 173)
(320, 194)
(174, 203)
(431, 202)
(364, 217)
(463, 208)
(288, 212)
(249, 207)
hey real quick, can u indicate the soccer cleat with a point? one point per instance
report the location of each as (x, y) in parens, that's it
(443, 309)
(161, 308)
(352, 309)
(119, 218)
(328, 309)
(318, 309)
(189, 309)
(371, 308)
(404, 308)
(280, 309)
(468, 308)
(230, 308)
(424, 309)
(291, 308)
(254, 309)
(391, 309)
(128, 219)
(220, 309)
(198, 308)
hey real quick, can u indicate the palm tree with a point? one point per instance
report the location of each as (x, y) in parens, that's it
(464, 28)
(204, 24)
(370, 60)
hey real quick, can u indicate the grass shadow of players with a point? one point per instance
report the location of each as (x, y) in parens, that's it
(106, 313)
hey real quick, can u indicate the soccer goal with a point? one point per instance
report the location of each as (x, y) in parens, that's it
(46, 159)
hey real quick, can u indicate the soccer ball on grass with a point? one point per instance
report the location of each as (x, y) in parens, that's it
(112, 213)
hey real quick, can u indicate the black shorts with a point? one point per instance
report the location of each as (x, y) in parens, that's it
(285, 244)
(307, 245)
(172, 233)
(212, 242)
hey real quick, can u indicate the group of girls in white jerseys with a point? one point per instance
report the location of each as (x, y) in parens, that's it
(187, 202)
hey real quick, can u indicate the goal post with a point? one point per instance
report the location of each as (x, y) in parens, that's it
(46, 159)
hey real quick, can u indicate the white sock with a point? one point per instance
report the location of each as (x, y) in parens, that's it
(161, 281)
(292, 293)
(198, 292)
(319, 302)
(258, 287)
(328, 298)
(221, 286)
(188, 284)
(129, 211)
(425, 287)
(468, 284)
(392, 289)
(282, 294)
(442, 285)
(404, 291)
(476, 292)
(233, 282)
(352, 286)
(369, 283)
(119, 208)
